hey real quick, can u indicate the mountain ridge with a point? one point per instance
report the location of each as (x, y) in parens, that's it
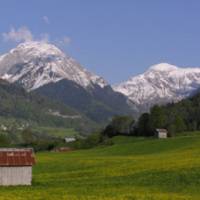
(44, 63)
(43, 68)
(161, 83)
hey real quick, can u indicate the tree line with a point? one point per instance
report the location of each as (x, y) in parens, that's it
(175, 117)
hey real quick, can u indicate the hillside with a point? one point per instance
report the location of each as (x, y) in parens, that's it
(176, 117)
(97, 103)
(31, 109)
(132, 168)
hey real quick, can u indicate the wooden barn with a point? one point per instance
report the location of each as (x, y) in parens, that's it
(16, 166)
(161, 133)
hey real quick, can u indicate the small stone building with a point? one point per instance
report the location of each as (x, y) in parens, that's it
(161, 133)
(16, 166)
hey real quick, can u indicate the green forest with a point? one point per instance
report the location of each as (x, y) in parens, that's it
(175, 117)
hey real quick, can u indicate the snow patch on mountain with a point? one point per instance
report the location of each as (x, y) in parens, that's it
(34, 64)
(161, 83)
(163, 67)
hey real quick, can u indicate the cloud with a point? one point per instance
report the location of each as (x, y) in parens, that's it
(46, 19)
(22, 34)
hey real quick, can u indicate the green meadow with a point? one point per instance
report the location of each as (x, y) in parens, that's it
(131, 169)
(57, 132)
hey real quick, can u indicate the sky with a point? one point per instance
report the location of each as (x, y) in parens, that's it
(115, 39)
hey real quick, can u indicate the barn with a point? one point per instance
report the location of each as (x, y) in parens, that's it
(161, 133)
(16, 166)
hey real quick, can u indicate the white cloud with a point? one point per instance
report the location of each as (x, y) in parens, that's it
(46, 19)
(22, 34)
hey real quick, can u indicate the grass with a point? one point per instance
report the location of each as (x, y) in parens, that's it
(58, 132)
(189, 133)
(131, 169)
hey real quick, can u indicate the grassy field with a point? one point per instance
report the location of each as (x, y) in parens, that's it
(131, 169)
(58, 132)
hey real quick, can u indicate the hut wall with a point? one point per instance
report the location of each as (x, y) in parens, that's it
(15, 175)
(162, 135)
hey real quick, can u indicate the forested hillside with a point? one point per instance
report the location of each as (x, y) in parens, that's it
(16, 103)
(175, 117)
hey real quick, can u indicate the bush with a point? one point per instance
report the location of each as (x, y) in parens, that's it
(39, 141)
(91, 141)
(4, 140)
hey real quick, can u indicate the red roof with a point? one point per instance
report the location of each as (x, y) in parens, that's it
(16, 157)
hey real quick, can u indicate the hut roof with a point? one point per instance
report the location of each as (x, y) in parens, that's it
(16, 157)
(161, 130)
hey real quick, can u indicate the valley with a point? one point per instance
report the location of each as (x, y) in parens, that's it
(99, 100)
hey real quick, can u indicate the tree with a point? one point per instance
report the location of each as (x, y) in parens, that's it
(157, 117)
(27, 136)
(143, 126)
(120, 125)
(4, 140)
(179, 124)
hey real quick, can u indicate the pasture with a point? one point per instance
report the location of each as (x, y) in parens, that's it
(56, 132)
(131, 169)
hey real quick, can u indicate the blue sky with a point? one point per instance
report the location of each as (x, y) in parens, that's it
(113, 38)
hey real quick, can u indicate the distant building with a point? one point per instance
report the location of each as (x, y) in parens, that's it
(70, 139)
(16, 166)
(62, 149)
(3, 128)
(161, 133)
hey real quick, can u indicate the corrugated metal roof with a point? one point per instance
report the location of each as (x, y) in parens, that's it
(16, 157)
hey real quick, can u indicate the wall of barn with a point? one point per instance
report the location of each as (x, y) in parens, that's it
(15, 175)
(162, 135)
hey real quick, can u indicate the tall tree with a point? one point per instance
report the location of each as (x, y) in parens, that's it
(144, 127)
(158, 117)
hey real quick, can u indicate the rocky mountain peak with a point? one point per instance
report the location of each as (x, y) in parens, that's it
(34, 64)
(161, 83)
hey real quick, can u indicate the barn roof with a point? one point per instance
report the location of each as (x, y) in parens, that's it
(161, 130)
(16, 157)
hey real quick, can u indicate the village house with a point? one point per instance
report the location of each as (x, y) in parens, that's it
(161, 133)
(70, 139)
(16, 166)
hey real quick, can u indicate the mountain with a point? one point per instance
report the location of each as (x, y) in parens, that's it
(34, 64)
(31, 109)
(43, 68)
(160, 84)
(99, 104)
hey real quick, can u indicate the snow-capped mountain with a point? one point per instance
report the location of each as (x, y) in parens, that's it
(161, 83)
(34, 64)
(43, 68)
